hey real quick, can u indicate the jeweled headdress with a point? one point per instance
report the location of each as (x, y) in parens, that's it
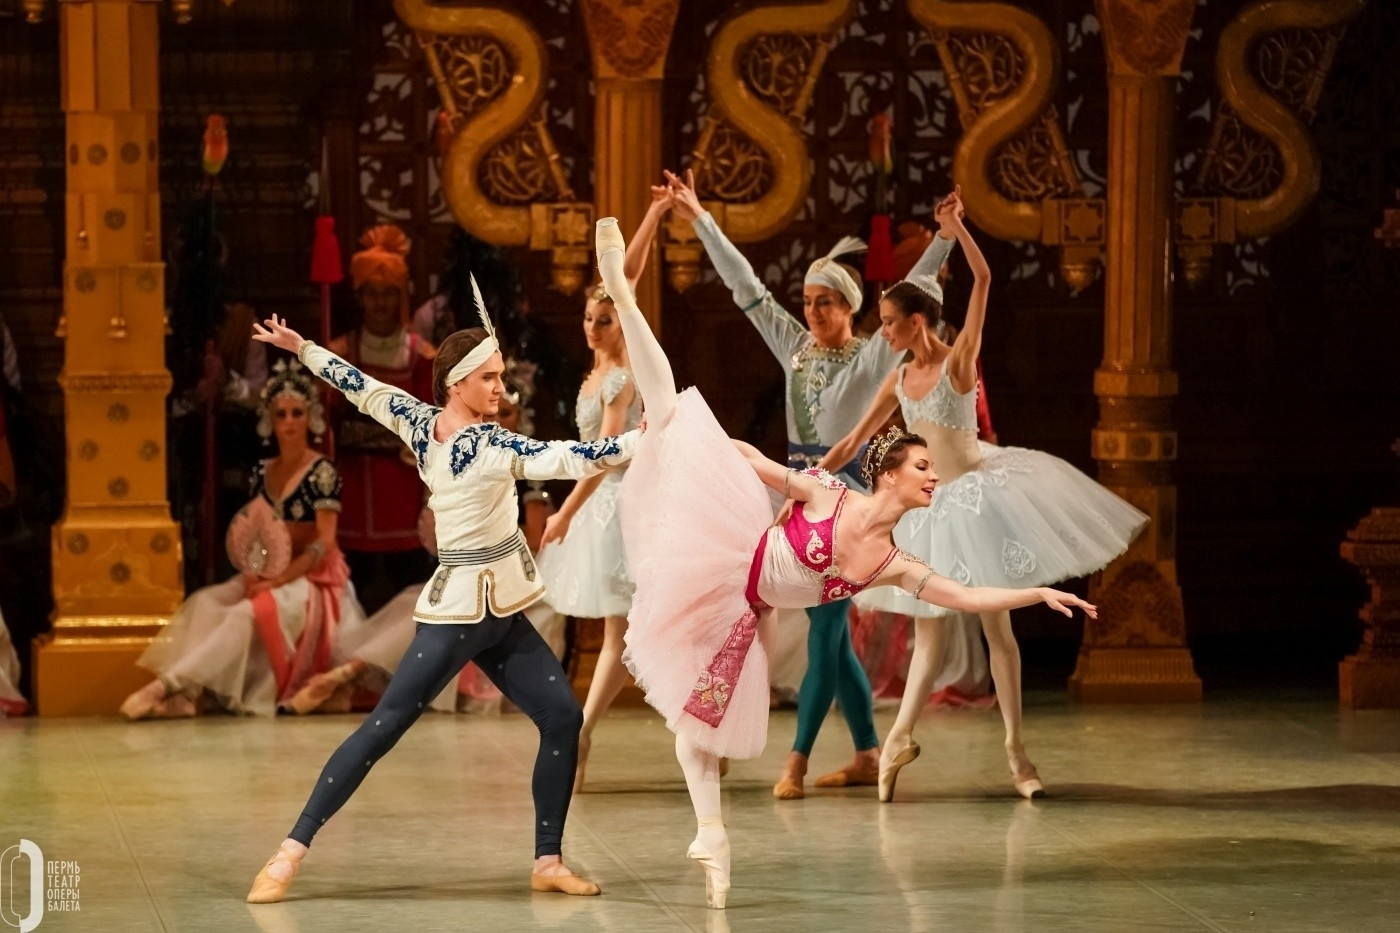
(876, 450)
(290, 378)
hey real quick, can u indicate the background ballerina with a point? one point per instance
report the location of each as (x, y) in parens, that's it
(1002, 516)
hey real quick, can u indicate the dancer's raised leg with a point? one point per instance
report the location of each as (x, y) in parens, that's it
(930, 647)
(1005, 658)
(655, 380)
(711, 845)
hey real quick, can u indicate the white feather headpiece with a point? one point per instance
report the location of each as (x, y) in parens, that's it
(482, 351)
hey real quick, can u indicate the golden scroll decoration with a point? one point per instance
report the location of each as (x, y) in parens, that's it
(1020, 180)
(501, 175)
(1261, 168)
(752, 168)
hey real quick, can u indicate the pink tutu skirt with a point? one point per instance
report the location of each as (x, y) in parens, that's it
(693, 511)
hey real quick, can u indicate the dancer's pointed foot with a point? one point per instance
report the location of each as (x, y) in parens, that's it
(555, 878)
(889, 772)
(1023, 774)
(272, 883)
(714, 858)
(175, 706)
(863, 771)
(789, 786)
(323, 692)
(611, 249)
(585, 743)
(144, 702)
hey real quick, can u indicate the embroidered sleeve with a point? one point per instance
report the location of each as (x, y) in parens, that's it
(324, 484)
(824, 478)
(398, 411)
(780, 331)
(540, 460)
(613, 383)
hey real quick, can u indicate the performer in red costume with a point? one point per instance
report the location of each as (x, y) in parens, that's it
(383, 494)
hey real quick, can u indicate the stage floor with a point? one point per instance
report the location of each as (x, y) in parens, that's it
(1263, 812)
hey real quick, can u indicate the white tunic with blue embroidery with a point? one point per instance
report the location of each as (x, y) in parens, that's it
(484, 563)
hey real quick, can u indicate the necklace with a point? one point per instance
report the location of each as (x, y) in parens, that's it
(842, 354)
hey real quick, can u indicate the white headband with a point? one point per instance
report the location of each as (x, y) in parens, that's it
(482, 351)
(828, 273)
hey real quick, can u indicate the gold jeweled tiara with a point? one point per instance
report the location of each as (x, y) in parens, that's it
(875, 453)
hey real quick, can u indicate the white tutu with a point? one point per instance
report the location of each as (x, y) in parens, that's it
(693, 511)
(213, 643)
(1023, 518)
(585, 575)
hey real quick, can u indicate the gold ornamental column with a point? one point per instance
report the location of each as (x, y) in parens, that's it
(629, 40)
(1136, 650)
(116, 552)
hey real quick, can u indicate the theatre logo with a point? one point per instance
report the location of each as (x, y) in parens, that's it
(31, 887)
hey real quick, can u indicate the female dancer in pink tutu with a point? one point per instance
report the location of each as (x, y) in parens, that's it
(695, 515)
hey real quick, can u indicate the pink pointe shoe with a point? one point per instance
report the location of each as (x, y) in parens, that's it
(1024, 777)
(716, 865)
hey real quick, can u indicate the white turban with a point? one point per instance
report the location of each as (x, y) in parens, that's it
(482, 351)
(828, 273)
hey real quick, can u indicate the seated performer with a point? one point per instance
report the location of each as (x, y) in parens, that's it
(471, 609)
(255, 641)
(691, 532)
(12, 702)
(379, 525)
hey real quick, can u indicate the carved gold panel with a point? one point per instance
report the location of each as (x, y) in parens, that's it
(752, 167)
(1012, 162)
(490, 67)
(1261, 168)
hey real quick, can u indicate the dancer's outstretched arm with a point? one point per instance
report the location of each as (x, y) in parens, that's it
(655, 380)
(639, 247)
(798, 485)
(913, 575)
(780, 330)
(392, 407)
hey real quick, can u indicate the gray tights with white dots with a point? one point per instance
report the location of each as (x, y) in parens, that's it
(517, 660)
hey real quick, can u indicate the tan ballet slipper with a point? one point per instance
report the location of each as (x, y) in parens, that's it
(319, 690)
(267, 889)
(556, 878)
